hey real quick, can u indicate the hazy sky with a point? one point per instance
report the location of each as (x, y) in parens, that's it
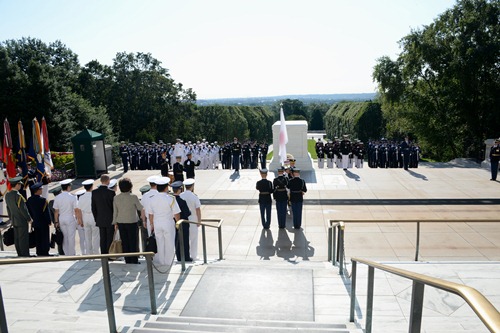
(232, 48)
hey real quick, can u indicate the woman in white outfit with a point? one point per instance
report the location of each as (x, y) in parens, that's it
(163, 212)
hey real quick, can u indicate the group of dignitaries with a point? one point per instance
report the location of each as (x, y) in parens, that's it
(287, 189)
(381, 153)
(99, 214)
(205, 155)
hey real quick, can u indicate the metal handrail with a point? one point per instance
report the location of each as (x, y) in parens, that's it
(336, 248)
(203, 224)
(105, 277)
(483, 308)
(417, 221)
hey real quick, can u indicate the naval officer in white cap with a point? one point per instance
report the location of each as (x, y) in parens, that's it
(194, 205)
(163, 213)
(65, 205)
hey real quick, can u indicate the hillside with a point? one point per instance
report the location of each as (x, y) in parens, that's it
(306, 99)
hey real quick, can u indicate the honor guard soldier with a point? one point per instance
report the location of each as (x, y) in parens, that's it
(281, 196)
(39, 210)
(405, 151)
(265, 188)
(236, 152)
(297, 188)
(494, 159)
(345, 150)
(189, 166)
(124, 154)
(292, 167)
(321, 158)
(20, 217)
(178, 169)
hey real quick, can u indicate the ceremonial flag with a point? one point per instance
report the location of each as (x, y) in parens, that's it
(3, 185)
(38, 150)
(47, 157)
(21, 160)
(8, 157)
(283, 140)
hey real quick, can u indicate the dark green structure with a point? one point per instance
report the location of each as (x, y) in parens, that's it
(89, 154)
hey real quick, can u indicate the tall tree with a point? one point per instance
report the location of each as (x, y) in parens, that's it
(445, 84)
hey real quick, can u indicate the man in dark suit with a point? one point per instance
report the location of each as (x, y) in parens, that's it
(102, 209)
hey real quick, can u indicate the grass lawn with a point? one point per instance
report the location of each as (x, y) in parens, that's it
(311, 148)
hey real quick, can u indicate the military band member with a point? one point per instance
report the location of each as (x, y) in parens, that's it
(345, 150)
(265, 188)
(281, 196)
(297, 188)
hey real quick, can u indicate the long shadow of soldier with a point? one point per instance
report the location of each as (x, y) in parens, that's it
(351, 175)
(301, 246)
(284, 245)
(417, 175)
(266, 249)
(235, 175)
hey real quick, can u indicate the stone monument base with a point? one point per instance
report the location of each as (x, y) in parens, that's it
(296, 146)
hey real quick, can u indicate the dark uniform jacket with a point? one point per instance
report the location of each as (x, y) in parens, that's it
(297, 185)
(189, 168)
(39, 210)
(17, 209)
(280, 193)
(178, 171)
(102, 206)
(265, 187)
(495, 153)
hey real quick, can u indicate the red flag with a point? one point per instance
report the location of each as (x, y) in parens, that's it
(45, 139)
(9, 159)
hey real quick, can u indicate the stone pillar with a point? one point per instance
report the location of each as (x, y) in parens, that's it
(296, 146)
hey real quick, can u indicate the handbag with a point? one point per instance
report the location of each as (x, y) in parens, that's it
(8, 236)
(116, 244)
(56, 238)
(151, 245)
(32, 238)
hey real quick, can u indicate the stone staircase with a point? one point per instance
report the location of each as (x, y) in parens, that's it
(198, 324)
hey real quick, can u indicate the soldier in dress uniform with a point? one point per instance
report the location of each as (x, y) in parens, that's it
(189, 166)
(124, 154)
(264, 148)
(405, 151)
(330, 155)
(281, 196)
(297, 188)
(178, 169)
(236, 152)
(39, 210)
(19, 215)
(265, 188)
(65, 205)
(494, 159)
(184, 215)
(321, 158)
(345, 150)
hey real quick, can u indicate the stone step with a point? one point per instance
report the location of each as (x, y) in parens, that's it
(199, 324)
(246, 322)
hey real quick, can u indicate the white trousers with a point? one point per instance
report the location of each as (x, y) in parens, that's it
(193, 241)
(329, 163)
(345, 161)
(81, 237)
(92, 237)
(68, 228)
(321, 163)
(165, 240)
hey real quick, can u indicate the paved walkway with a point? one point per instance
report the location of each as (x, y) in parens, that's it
(71, 293)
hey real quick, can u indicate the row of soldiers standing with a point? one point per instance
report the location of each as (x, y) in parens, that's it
(340, 153)
(205, 155)
(391, 154)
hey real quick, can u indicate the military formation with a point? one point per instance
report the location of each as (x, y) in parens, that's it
(205, 155)
(381, 153)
